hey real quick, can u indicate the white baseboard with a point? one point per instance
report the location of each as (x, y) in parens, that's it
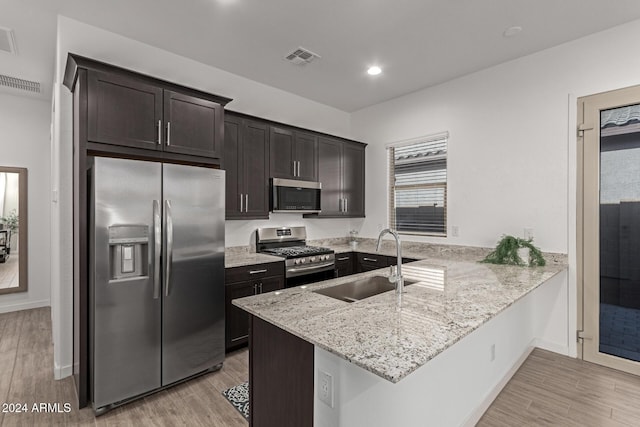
(479, 411)
(60, 372)
(551, 346)
(8, 308)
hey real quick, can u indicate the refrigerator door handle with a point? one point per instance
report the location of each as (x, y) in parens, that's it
(157, 248)
(169, 260)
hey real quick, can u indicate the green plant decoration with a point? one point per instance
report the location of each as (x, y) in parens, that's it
(506, 252)
(11, 221)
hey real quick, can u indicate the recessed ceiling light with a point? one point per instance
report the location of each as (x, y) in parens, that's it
(512, 31)
(374, 71)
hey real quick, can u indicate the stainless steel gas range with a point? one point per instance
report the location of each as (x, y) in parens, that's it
(303, 264)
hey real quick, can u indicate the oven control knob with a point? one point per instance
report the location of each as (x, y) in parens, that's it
(326, 257)
(312, 259)
(302, 260)
(296, 261)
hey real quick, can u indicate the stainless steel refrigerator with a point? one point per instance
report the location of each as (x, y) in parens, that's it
(156, 276)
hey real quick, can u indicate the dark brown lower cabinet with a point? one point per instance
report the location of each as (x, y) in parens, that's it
(280, 377)
(242, 282)
(345, 264)
(367, 262)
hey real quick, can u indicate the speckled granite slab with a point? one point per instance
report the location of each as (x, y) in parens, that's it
(391, 338)
(240, 256)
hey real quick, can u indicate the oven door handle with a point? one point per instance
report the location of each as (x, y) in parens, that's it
(312, 267)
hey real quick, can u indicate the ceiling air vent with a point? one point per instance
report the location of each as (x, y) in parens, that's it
(301, 56)
(20, 84)
(8, 41)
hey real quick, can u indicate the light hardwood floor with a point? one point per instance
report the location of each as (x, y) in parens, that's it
(26, 376)
(548, 390)
(554, 390)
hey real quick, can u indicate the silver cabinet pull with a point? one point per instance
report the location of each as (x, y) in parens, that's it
(168, 133)
(246, 202)
(255, 289)
(340, 205)
(241, 203)
(169, 260)
(294, 168)
(343, 258)
(159, 132)
(257, 271)
(298, 168)
(369, 259)
(260, 287)
(157, 247)
(346, 205)
(239, 338)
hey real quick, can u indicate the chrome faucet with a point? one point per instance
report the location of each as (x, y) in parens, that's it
(398, 275)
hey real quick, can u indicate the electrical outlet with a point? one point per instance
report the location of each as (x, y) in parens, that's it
(493, 352)
(325, 388)
(528, 233)
(455, 231)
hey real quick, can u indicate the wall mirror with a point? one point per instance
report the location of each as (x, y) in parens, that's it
(13, 230)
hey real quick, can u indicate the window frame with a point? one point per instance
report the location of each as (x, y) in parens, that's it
(391, 187)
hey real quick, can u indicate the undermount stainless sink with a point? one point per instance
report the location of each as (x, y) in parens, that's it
(360, 289)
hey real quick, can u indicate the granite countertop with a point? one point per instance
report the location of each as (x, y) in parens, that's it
(452, 298)
(242, 258)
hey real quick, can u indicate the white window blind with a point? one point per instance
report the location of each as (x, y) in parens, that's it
(418, 186)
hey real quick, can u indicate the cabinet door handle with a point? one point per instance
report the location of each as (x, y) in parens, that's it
(246, 202)
(346, 205)
(369, 259)
(343, 258)
(294, 168)
(298, 168)
(168, 133)
(239, 338)
(340, 205)
(255, 289)
(159, 132)
(241, 203)
(260, 287)
(257, 271)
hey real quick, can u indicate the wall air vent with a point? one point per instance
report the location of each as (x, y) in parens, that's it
(301, 56)
(8, 41)
(20, 84)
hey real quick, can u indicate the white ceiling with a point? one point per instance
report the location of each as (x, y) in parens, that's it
(418, 43)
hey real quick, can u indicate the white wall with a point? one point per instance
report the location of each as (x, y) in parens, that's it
(24, 142)
(249, 97)
(509, 160)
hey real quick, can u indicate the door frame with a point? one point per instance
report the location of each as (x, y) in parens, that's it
(588, 246)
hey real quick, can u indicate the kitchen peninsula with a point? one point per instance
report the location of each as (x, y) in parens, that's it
(437, 357)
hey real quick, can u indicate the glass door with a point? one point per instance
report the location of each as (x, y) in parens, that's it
(609, 223)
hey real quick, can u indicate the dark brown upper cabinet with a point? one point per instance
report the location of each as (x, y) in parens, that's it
(246, 162)
(293, 154)
(193, 125)
(341, 172)
(131, 114)
(124, 111)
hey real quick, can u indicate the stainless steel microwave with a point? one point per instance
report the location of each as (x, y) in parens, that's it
(291, 195)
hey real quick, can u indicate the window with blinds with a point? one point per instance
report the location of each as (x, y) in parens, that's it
(418, 186)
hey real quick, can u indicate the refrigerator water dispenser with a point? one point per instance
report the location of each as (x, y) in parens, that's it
(128, 251)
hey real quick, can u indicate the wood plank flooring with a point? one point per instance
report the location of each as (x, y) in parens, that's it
(554, 390)
(26, 376)
(548, 390)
